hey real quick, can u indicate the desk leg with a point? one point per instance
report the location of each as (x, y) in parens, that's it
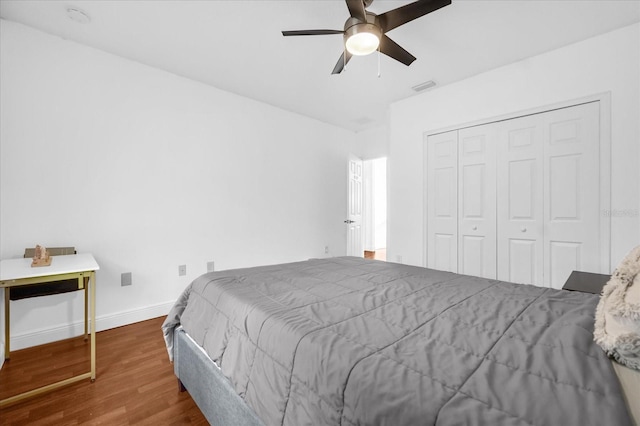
(7, 325)
(86, 309)
(92, 283)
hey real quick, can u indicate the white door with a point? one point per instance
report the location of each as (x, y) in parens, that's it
(571, 197)
(477, 201)
(519, 199)
(548, 196)
(354, 216)
(442, 201)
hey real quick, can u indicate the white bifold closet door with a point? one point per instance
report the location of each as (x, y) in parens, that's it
(548, 195)
(518, 199)
(572, 238)
(520, 203)
(442, 204)
(477, 201)
(461, 205)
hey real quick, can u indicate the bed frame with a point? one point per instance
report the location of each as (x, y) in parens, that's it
(221, 406)
(219, 403)
(208, 387)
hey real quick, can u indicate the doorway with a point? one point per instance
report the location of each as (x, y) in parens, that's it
(375, 208)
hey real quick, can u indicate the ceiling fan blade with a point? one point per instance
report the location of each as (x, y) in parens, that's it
(356, 9)
(393, 50)
(341, 62)
(310, 32)
(396, 17)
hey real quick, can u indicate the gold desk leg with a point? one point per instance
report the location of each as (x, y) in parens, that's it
(86, 309)
(92, 283)
(43, 389)
(7, 325)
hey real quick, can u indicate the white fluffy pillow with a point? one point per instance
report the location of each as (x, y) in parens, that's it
(617, 326)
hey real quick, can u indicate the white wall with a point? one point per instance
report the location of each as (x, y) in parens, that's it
(372, 143)
(147, 171)
(607, 63)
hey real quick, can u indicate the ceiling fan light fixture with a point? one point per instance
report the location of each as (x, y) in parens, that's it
(362, 44)
(362, 39)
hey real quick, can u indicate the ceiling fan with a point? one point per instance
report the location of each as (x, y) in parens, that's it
(365, 32)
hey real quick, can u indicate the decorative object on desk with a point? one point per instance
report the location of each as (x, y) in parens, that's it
(617, 326)
(46, 288)
(41, 257)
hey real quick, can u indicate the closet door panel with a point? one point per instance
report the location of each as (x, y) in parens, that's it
(563, 257)
(472, 256)
(522, 176)
(477, 201)
(564, 187)
(520, 200)
(444, 247)
(445, 199)
(572, 184)
(473, 191)
(522, 259)
(442, 201)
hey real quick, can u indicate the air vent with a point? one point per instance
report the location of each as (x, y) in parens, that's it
(424, 86)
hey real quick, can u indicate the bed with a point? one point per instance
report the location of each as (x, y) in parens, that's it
(349, 341)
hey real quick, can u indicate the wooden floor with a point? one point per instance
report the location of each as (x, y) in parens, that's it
(379, 254)
(134, 383)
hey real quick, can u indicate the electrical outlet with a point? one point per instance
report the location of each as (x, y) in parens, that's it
(399, 258)
(182, 270)
(210, 266)
(326, 249)
(125, 279)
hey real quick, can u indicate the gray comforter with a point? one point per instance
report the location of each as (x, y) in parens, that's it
(356, 342)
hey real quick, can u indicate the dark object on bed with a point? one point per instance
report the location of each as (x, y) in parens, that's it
(586, 282)
(49, 288)
(353, 341)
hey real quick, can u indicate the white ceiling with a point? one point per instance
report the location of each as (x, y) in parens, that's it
(237, 45)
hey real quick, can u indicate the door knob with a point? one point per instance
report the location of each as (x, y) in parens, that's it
(474, 228)
(523, 229)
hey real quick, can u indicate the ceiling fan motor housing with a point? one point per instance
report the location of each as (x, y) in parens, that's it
(355, 26)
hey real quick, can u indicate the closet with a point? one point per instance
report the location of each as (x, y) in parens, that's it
(519, 199)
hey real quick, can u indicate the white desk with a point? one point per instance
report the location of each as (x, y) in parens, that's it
(18, 272)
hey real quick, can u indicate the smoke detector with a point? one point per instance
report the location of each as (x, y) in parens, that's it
(78, 15)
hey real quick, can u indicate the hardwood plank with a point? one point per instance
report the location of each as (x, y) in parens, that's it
(134, 382)
(380, 254)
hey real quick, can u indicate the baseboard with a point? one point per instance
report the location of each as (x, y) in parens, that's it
(124, 318)
(105, 322)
